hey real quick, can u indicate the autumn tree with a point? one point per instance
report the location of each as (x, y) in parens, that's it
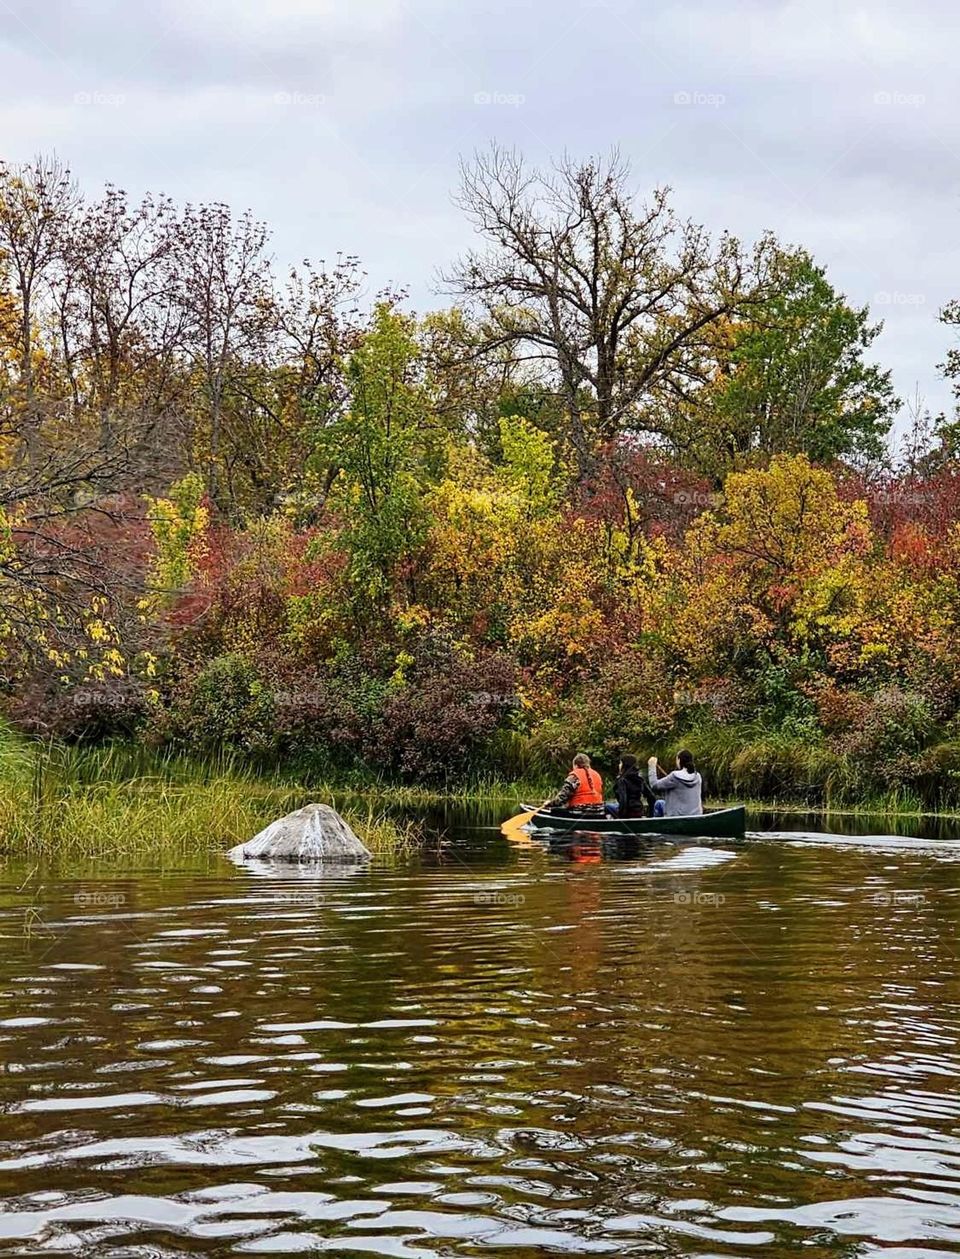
(224, 290)
(298, 389)
(949, 431)
(89, 373)
(607, 298)
(37, 203)
(786, 519)
(118, 330)
(386, 447)
(791, 376)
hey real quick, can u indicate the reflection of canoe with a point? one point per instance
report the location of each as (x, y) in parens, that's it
(718, 824)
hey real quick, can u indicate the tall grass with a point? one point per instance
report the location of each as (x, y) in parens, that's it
(773, 768)
(128, 802)
(126, 761)
(124, 803)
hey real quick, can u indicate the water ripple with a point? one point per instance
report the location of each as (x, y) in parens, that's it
(696, 1051)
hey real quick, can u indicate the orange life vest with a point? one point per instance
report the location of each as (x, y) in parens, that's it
(589, 788)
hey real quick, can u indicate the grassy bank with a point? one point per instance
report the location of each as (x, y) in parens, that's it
(126, 763)
(116, 802)
(895, 805)
(890, 769)
(127, 802)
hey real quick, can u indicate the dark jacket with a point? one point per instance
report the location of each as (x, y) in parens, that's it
(633, 794)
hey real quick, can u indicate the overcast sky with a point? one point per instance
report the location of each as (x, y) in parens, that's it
(836, 124)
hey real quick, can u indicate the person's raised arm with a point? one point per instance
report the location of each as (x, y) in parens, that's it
(666, 783)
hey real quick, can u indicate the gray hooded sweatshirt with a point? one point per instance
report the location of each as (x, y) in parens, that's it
(680, 790)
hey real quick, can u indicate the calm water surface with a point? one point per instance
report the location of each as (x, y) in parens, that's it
(677, 1050)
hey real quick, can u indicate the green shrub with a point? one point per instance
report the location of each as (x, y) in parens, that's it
(894, 722)
(222, 706)
(629, 706)
(894, 728)
(549, 747)
(754, 763)
(715, 748)
(936, 778)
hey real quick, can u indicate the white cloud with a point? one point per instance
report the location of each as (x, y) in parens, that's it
(272, 23)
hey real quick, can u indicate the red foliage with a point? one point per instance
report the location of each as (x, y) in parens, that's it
(441, 721)
(667, 498)
(932, 502)
(109, 537)
(237, 579)
(912, 545)
(839, 710)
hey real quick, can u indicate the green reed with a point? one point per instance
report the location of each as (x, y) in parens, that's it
(114, 802)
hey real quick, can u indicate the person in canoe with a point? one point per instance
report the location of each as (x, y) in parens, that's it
(633, 795)
(581, 794)
(681, 790)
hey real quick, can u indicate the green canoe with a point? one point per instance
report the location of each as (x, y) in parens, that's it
(718, 824)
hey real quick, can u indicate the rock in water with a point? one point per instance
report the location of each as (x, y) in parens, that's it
(314, 833)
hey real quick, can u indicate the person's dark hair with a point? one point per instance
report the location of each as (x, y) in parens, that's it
(628, 762)
(685, 760)
(581, 760)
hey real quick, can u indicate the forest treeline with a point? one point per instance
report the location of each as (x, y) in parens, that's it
(632, 482)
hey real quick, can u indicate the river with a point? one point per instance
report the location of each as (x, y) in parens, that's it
(713, 1050)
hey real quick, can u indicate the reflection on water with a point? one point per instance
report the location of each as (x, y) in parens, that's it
(700, 1050)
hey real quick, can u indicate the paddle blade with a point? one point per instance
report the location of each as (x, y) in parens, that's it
(515, 824)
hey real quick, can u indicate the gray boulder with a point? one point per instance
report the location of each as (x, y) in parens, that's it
(314, 833)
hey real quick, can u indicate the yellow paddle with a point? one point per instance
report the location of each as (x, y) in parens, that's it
(513, 825)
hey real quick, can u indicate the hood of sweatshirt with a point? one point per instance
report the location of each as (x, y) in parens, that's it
(688, 778)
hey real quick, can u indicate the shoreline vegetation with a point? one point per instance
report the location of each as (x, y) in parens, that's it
(119, 802)
(638, 488)
(86, 803)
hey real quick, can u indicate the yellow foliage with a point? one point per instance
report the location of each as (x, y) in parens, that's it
(178, 525)
(787, 518)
